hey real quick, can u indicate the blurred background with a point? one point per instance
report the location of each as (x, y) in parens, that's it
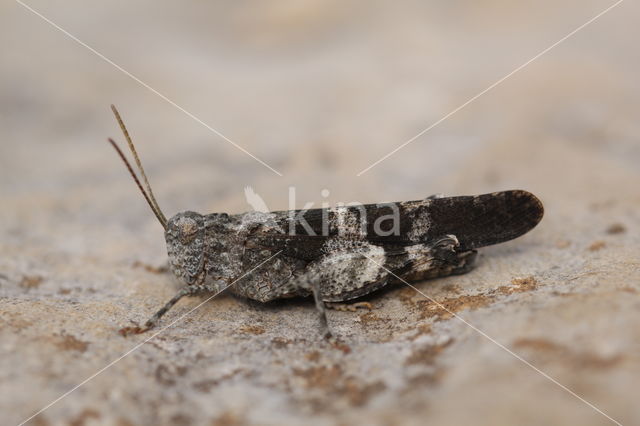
(319, 91)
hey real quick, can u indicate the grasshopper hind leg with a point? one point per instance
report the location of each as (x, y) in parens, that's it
(348, 307)
(439, 260)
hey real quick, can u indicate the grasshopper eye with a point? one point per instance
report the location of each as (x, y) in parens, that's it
(187, 229)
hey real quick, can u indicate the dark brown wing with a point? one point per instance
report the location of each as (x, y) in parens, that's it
(476, 221)
(484, 220)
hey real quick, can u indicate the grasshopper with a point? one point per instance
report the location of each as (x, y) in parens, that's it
(333, 254)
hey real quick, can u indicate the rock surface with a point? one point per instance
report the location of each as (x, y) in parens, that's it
(546, 327)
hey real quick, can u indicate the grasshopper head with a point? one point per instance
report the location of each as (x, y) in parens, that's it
(185, 232)
(185, 238)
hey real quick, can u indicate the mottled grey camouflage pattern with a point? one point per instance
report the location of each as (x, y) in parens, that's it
(339, 254)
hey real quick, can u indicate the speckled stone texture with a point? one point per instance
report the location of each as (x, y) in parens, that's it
(319, 90)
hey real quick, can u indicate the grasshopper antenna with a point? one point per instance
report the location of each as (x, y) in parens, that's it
(155, 209)
(151, 199)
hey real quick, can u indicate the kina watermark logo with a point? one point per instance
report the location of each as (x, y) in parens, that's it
(324, 220)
